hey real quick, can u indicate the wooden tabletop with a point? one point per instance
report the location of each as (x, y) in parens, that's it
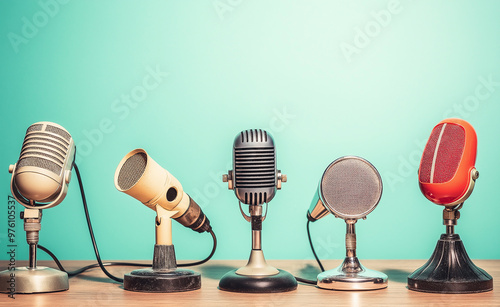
(93, 288)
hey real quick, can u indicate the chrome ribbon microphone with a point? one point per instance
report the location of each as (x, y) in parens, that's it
(255, 179)
(350, 188)
(40, 180)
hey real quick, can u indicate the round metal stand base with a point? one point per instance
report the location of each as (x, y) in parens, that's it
(39, 280)
(346, 278)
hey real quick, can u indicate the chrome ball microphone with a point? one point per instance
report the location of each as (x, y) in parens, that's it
(350, 188)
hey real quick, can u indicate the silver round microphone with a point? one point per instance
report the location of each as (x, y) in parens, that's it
(350, 188)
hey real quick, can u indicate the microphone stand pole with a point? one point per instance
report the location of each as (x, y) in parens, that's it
(33, 278)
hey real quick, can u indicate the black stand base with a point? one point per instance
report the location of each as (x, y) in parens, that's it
(281, 282)
(450, 270)
(148, 280)
(164, 276)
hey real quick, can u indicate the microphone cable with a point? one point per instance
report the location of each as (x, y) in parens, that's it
(94, 244)
(312, 247)
(308, 281)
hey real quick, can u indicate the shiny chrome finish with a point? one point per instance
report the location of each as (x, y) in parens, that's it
(351, 275)
(257, 266)
(39, 280)
(32, 256)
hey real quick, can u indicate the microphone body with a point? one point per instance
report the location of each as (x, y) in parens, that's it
(139, 176)
(255, 179)
(447, 174)
(40, 180)
(43, 171)
(446, 177)
(350, 188)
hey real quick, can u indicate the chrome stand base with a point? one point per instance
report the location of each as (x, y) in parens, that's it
(39, 280)
(351, 275)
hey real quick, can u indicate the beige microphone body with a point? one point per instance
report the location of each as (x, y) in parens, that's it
(41, 176)
(139, 176)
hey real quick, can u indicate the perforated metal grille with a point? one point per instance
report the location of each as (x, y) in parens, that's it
(58, 131)
(35, 127)
(40, 162)
(351, 187)
(44, 150)
(439, 166)
(132, 170)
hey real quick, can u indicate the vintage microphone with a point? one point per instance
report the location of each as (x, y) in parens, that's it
(255, 180)
(139, 176)
(40, 180)
(350, 189)
(447, 177)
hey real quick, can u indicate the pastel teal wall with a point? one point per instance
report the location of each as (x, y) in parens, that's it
(325, 78)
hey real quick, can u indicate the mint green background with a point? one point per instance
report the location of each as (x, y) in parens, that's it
(238, 72)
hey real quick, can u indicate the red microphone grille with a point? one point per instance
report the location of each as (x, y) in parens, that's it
(442, 154)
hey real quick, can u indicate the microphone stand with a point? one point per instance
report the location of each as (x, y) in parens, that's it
(32, 226)
(163, 276)
(257, 276)
(351, 275)
(450, 270)
(33, 278)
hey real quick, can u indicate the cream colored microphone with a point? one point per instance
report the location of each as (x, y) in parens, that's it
(40, 180)
(139, 176)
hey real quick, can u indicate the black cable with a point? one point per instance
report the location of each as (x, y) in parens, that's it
(95, 265)
(88, 267)
(99, 261)
(306, 281)
(312, 247)
(89, 224)
(209, 256)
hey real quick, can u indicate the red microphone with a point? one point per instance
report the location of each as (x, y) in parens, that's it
(446, 177)
(447, 173)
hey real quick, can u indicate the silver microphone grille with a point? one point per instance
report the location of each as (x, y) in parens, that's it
(254, 162)
(351, 187)
(45, 146)
(132, 170)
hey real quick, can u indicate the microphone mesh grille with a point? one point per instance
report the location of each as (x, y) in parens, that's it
(439, 166)
(41, 148)
(58, 131)
(35, 127)
(351, 187)
(39, 162)
(132, 170)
